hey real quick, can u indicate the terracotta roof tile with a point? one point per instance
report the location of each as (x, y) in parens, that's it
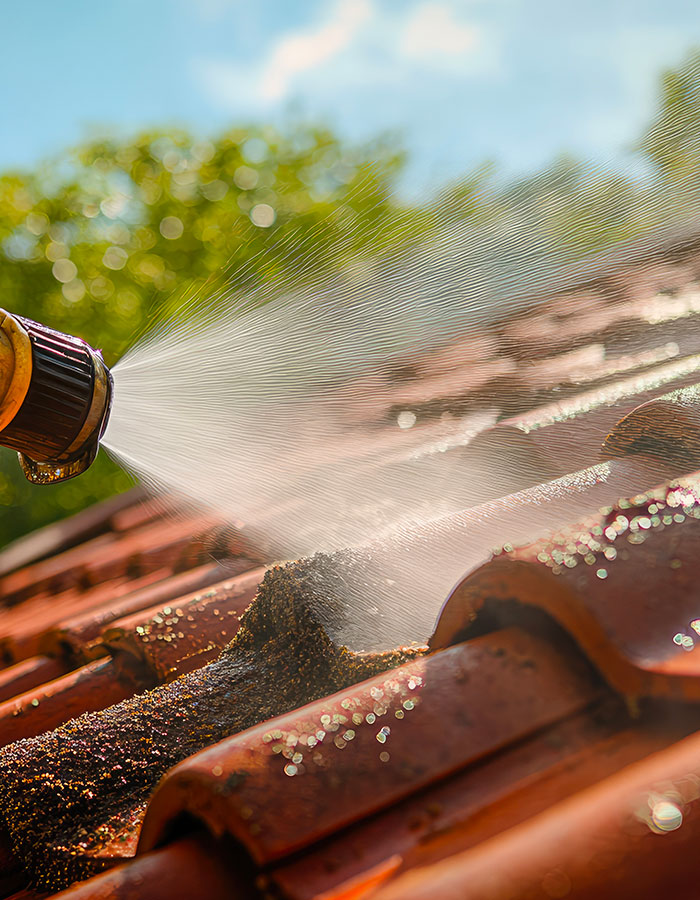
(329, 762)
(587, 579)
(547, 431)
(74, 635)
(87, 689)
(28, 674)
(135, 515)
(169, 641)
(666, 426)
(27, 624)
(413, 793)
(106, 764)
(502, 790)
(631, 835)
(587, 335)
(193, 867)
(387, 751)
(148, 650)
(547, 746)
(110, 555)
(54, 604)
(59, 536)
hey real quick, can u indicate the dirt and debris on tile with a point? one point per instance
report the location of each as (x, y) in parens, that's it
(85, 783)
(193, 725)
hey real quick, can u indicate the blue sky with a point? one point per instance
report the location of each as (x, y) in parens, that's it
(459, 80)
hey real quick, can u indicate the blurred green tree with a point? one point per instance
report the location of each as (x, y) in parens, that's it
(103, 242)
(108, 240)
(672, 141)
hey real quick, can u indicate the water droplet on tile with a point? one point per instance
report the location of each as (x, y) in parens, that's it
(666, 816)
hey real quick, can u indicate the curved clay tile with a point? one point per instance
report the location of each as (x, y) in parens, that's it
(60, 536)
(72, 635)
(92, 775)
(667, 427)
(620, 582)
(28, 674)
(630, 835)
(87, 689)
(350, 754)
(169, 641)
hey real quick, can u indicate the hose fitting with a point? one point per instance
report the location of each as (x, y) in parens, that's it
(55, 398)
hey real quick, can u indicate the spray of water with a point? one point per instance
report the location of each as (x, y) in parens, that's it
(292, 408)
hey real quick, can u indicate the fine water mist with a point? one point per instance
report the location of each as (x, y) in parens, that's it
(277, 408)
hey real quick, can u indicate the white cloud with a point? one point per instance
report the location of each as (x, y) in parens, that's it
(360, 43)
(433, 36)
(433, 30)
(308, 49)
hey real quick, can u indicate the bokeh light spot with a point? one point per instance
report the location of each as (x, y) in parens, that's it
(171, 228)
(64, 270)
(666, 816)
(262, 215)
(245, 178)
(406, 419)
(115, 258)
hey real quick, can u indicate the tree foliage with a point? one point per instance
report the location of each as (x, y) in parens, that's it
(105, 241)
(672, 142)
(101, 244)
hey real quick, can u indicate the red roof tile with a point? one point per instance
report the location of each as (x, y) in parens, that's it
(667, 426)
(90, 688)
(547, 430)
(467, 808)
(169, 641)
(37, 598)
(327, 764)
(74, 635)
(196, 866)
(630, 835)
(55, 538)
(587, 579)
(541, 749)
(28, 674)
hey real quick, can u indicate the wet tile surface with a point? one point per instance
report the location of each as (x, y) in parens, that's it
(546, 747)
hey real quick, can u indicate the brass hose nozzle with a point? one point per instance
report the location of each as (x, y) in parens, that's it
(55, 398)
